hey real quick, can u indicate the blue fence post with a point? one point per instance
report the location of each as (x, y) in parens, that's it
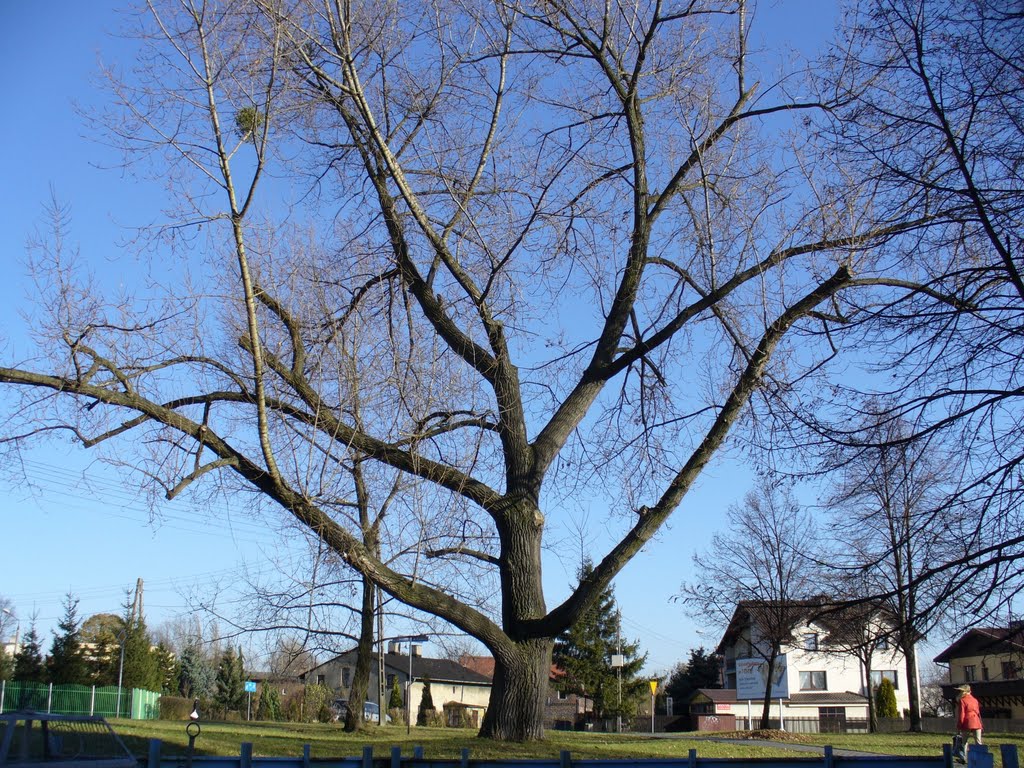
(367, 757)
(153, 759)
(245, 758)
(464, 758)
(417, 752)
(830, 760)
(691, 758)
(978, 756)
(396, 757)
(305, 755)
(947, 755)
(564, 759)
(1009, 754)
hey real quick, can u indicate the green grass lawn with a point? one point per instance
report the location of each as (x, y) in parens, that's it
(287, 740)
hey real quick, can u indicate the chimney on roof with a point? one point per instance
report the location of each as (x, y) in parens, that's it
(417, 649)
(394, 647)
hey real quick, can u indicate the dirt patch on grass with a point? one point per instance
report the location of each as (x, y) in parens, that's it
(767, 735)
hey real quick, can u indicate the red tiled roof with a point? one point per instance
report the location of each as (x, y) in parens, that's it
(482, 665)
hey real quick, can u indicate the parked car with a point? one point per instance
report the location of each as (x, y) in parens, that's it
(371, 711)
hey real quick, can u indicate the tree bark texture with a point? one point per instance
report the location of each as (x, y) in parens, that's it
(519, 692)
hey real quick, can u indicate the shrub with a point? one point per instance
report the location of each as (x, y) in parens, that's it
(885, 699)
(175, 707)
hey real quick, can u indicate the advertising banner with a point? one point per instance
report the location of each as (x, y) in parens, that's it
(752, 676)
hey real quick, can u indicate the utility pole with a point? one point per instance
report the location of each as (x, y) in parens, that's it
(618, 667)
(616, 664)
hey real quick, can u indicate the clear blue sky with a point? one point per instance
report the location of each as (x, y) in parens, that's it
(96, 538)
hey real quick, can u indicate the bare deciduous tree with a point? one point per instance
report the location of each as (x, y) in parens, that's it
(888, 512)
(557, 250)
(758, 577)
(933, 123)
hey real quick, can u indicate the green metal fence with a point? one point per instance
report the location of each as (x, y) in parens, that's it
(135, 703)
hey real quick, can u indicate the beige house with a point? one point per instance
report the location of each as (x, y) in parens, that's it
(453, 687)
(991, 661)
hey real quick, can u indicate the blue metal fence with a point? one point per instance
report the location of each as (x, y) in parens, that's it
(978, 757)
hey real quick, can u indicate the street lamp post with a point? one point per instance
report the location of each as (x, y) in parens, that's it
(408, 683)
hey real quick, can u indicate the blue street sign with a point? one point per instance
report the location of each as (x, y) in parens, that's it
(250, 686)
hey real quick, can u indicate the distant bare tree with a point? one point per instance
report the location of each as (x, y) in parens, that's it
(761, 569)
(888, 512)
(933, 123)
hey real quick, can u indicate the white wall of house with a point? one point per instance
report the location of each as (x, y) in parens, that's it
(841, 671)
(442, 693)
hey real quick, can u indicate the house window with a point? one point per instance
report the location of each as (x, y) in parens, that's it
(811, 641)
(812, 681)
(320, 679)
(969, 674)
(561, 695)
(882, 644)
(832, 719)
(878, 675)
(1010, 671)
(984, 672)
(346, 677)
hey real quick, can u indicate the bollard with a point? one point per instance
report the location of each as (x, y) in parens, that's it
(192, 730)
(153, 759)
(1009, 754)
(396, 757)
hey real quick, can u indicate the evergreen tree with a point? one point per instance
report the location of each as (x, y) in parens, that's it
(701, 670)
(169, 667)
(102, 647)
(197, 678)
(141, 664)
(66, 663)
(426, 709)
(269, 705)
(395, 701)
(885, 699)
(6, 665)
(231, 680)
(28, 661)
(583, 654)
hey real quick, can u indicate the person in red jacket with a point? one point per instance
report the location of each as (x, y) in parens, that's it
(968, 716)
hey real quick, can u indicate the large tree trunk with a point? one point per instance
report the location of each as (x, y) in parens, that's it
(766, 707)
(522, 666)
(364, 660)
(913, 692)
(872, 714)
(519, 692)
